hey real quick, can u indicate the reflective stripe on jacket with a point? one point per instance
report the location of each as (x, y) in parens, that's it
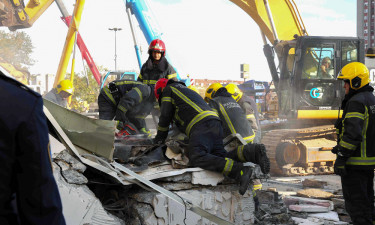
(182, 106)
(151, 73)
(233, 118)
(357, 135)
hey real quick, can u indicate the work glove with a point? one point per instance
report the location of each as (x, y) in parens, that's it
(335, 149)
(339, 167)
(127, 129)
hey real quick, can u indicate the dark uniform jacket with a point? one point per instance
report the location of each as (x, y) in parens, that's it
(357, 128)
(232, 116)
(251, 111)
(152, 72)
(182, 106)
(126, 101)
(25, 166)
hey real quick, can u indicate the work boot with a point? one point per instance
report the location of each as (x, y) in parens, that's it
(256, 153)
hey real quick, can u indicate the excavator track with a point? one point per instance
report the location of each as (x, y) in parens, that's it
(287, 150)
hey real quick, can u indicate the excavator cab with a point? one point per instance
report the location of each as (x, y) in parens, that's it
(309, 65)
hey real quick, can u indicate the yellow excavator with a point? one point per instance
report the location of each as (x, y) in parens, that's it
(309, 96)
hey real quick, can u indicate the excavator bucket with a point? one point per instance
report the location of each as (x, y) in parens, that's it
(284, 14)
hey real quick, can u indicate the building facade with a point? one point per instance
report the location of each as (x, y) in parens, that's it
(366, 21)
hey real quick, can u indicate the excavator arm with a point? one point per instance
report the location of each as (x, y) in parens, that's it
(15, 15)
(277, 20)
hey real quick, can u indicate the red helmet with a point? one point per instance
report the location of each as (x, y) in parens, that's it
(157, 45)
(159, 86)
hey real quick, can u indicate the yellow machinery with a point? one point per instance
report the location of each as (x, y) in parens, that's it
(308, 99)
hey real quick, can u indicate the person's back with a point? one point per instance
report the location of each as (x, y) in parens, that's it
(126, 101)
(190, 108)
(25, 167)
(231, 114)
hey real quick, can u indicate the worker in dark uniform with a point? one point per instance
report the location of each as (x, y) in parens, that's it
(61, 93)
(156, 67)
(355, 150)
(188, 111)
(28, 191)
(250, 108)
(234, 121)
(128, 102)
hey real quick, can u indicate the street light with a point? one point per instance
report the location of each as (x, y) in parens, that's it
(115, 29)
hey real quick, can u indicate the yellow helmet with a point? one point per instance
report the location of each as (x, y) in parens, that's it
(235, 91)
(356, 73)
(65, 85)
(192, 87)
(211, 90)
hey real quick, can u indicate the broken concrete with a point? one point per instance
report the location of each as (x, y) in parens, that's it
(312, 183)
(314, 193)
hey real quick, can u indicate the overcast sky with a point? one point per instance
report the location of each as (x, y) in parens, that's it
(204, 38)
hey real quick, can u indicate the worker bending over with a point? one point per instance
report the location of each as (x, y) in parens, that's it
(188, 111)
(128, 102)
(234, 121)
(61, 93)
(355, 150)
(250, 108)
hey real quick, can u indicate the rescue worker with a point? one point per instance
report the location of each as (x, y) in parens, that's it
(128, 102)
(156, 67)
(192, 87)
(355, 150)
(250, 108)
(61, 93)
(188, 111)
(29, 193)
(234, 121)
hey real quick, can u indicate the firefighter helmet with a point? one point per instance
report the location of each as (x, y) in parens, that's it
(235, 91)
(356, 73)
(158, 46)
(159, 86)
(211, 90)
(65, 85)
(192, 87)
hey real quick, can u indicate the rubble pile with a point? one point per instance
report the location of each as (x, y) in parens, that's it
(302, 205)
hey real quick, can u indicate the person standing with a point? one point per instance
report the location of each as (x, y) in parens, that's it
(355, 147)
(155, 68)
(191, 114)
(61, 93)
(28, 191)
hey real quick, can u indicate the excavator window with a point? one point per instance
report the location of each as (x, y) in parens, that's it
(319, 62)
(349, 52)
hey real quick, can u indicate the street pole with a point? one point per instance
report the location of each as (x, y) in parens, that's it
(115, 29)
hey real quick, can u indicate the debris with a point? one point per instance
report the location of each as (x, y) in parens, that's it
(291, 200)
(333, 216)
(308, 208)
(314, 193)
(314, 183)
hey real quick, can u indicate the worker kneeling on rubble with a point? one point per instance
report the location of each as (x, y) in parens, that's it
(128, 102)
(61, 93)
(234, 121)
(355, 147)
(188, 111)
(250, 108)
